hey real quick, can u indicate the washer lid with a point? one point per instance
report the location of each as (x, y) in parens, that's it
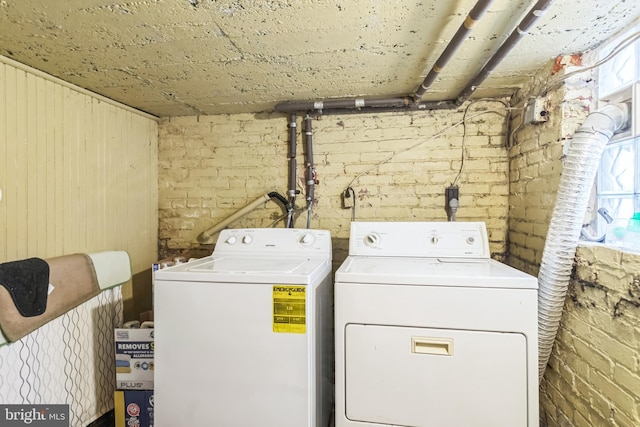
(234, 265)
(248, 269)
(485, 273)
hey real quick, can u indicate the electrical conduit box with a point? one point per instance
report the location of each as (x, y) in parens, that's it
(535, 112)
(134, 359)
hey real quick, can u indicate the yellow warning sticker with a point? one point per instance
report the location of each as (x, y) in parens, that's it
(289, 309)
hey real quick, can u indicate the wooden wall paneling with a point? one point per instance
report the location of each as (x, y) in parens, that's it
(3, 160)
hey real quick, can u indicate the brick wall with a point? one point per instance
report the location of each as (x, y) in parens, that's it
(593, 375)
(536, 165)
(209, 167)
(212, 166)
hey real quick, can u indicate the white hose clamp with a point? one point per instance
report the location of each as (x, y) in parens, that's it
(318, 105)
(359, 103)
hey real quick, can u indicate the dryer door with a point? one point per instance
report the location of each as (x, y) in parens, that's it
(435, 377)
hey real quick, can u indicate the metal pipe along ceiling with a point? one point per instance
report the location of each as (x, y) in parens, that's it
(460, 36)
(534, 14)
(398, 103)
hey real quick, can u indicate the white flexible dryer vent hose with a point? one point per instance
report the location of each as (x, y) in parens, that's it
(580, 167)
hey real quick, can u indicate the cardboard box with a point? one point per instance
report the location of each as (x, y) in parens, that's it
(134, 359)
(133, 408)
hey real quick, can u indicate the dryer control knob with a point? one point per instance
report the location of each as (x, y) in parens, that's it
(247, 240)
(231, 240)
(372, 240)
(471, 240)
(434, 239)
(307, 239)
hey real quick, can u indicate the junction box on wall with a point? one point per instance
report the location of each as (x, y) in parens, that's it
(536, 111)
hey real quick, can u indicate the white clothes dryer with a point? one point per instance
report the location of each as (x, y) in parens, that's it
(244, 337)
(432, 332)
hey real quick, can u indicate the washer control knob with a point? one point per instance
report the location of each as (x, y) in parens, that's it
(434, 240)
(372, 240)
(247, 240)
(307, 239)
(471, 240)
(231, 240)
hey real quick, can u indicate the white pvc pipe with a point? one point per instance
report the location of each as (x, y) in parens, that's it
(578, 174)
(206, 235)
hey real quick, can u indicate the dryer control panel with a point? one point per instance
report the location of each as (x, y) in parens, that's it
(420, 239)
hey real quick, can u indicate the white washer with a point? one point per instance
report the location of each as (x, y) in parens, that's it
(244, 337)
(432, 332)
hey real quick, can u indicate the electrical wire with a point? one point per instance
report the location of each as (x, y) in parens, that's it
(353, 208)
(464, 129)
(462, 144)
(509, 142)
(282, 217)
(616, 50)
(626, 42)
(436, 135)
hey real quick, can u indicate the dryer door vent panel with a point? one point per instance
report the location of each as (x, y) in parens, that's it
(435, 377)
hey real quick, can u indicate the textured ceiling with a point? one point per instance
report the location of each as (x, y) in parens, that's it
(188, 57)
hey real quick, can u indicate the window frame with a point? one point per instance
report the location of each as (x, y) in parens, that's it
(626, 91)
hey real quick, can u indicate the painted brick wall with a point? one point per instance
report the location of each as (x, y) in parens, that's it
(210, 166)
(592, 378)
(536, 165)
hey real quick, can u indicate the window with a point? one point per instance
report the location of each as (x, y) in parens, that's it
(618, 182)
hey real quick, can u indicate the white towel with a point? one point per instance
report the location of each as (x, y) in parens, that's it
(112, 268)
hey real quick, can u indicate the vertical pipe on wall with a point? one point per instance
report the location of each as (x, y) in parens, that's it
(291, 192)
(310, 176)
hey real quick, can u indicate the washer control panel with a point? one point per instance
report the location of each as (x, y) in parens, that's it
(420, 239)
(274, 240)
